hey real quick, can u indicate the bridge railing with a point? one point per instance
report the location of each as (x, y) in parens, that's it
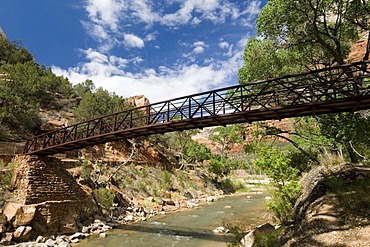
(327, 84)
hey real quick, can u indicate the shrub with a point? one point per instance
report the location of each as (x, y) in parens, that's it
(284, 179)
(85, 170)
(7, 175)
(104, 197)
(216, 167)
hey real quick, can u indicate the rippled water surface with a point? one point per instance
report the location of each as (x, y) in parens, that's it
(188, 228)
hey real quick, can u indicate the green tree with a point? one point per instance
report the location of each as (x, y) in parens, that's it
(196, 152)
(349, 131)
(313, 33)
(227, 136)
(13, 52)
(178, 142)
(320, 30)
(98, 103)
(85, 87)
(265, 59)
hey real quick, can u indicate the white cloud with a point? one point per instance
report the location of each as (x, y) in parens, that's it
(213, 10)
(105, 13)
(253, 8)
(131, 40)
(150, 37)
(108, 20)
(155, 83)
(223, 45)
(199, 47)
(199, 43)
(142, 10)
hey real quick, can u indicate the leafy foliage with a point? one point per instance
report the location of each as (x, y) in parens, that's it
(349, 130)
(284, 179)
(196, 152)
(216, 167)
(264, 59)
(97, 103)
(25, 87)
(226, 137)
(104, 197)
(13, 52)
(319, 30)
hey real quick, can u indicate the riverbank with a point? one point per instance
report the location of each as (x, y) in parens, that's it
(189, 227)
(143, 209)
(107, 227)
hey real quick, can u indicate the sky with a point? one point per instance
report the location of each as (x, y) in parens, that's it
(158, 48)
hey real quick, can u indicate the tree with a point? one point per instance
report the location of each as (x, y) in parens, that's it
(196, 152)
(179, 141)
(226, 137)
(98, 103)
(85, 87)
(320, 30)
(265, 59)
(13, 52)
(317, 33)
(25, 88)
(348, 130)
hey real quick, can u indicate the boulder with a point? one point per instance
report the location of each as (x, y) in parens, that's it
(39, 228)
(40, 239)
(50, 243)
(18, 214)
(219, 229)
(77, 235)
(314, 184)
(63, 244)
(248, 240)
(6, 238)
(68, 226)
(22, 233)
(129, 217)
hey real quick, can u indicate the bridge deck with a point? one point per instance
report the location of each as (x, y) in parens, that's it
(344, 88)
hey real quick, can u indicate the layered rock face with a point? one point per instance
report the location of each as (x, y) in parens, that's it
(46, 197)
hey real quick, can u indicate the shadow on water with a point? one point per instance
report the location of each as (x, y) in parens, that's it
(179, 231)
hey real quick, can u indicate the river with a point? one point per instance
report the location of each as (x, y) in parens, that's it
(189, 227)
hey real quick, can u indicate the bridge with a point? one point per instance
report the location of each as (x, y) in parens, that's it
(344, 88)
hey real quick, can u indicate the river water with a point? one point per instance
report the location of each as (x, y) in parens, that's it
(190, 227)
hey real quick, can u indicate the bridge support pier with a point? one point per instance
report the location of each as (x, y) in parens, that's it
(46, 197)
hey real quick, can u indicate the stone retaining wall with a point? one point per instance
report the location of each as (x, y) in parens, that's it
(60, 202)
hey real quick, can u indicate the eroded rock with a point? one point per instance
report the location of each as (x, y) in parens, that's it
(248, 240)
(18, 214)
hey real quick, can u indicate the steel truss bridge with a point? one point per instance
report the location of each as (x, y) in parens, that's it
(344, 88)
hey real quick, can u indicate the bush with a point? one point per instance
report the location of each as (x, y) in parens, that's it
(284, 179)
(104, 197)
(85, 170)
(283, 200)
(7, 175)
(5, 180)
(216, 167)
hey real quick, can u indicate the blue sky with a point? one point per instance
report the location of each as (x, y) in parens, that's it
(160, 49)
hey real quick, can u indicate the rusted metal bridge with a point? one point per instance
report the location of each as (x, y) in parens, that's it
(344, 88)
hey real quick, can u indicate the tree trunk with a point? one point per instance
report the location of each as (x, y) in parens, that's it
(351, 153)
